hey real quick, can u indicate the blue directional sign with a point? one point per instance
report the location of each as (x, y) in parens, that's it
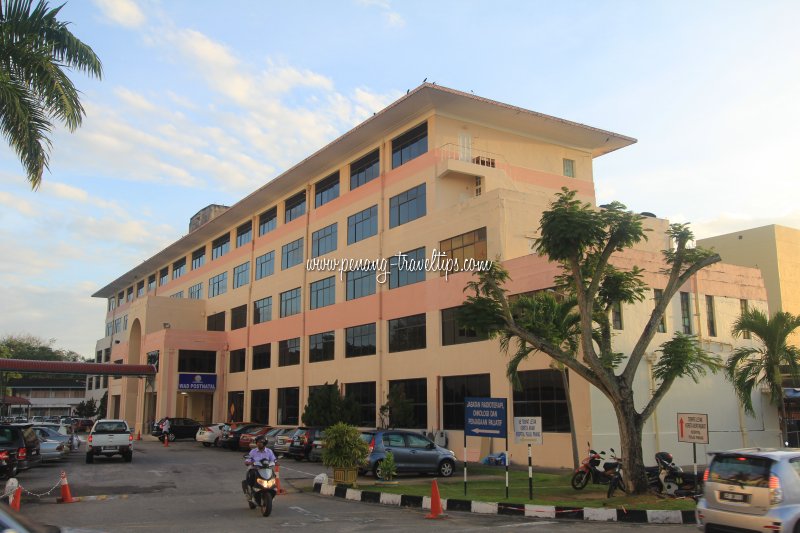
(485, 417)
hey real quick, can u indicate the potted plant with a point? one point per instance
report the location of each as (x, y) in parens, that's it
(345, 452)
(388, 470)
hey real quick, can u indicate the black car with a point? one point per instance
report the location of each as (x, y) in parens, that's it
(230, 439)
(179, 428)
(302, 442)
(21, 440)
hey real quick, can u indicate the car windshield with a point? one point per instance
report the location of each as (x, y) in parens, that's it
(111, 427)
(740, 470)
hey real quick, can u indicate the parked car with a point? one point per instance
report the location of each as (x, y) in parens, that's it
(48, 433)
(249, 437)
(317, 447)
(210, 435)
(109, 437)
(52, 419)
(230, 439)
(8, 463)
(302, 440)
(84, 424)
(37, 419)
(52, 450)
(179, 428)
(412, 453)
(271, 436)
(22, 440)
(754, 489)
(282, 442)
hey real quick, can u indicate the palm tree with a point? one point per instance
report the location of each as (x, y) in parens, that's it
(35, 50)
(766, 364)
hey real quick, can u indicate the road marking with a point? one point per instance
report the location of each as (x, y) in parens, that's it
(528, 524)
(309, 514)
(158, 472)
(300, 471)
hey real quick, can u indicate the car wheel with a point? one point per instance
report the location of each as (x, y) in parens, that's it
(446, 468)
(89, 458)
(207, 444)
(128, 457)
(377, 471)
(216, 442)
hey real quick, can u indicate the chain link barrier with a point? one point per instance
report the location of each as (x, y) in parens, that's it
(11, 488)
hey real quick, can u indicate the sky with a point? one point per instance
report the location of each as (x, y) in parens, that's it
(204, 102)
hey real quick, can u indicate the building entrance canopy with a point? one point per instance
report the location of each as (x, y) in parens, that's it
(67, 367)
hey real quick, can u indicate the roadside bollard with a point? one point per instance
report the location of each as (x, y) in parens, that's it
(66, 495)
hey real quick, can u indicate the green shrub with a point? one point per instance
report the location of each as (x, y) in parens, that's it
(344, 447)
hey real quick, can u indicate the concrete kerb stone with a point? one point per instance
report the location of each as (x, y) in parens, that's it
(595, 514)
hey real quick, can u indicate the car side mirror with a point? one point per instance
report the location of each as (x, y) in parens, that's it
(431, 446)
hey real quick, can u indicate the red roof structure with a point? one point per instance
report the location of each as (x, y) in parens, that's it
(68, 367)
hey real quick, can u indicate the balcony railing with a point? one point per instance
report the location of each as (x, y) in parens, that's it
(470, 155)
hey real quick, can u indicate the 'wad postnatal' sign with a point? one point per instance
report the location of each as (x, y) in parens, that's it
(485, 417)
(197, 382)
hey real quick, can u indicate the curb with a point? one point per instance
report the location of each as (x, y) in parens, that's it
(595, 514)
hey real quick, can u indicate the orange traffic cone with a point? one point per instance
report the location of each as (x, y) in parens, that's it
(139, 436)
(166, 440)
(436, 502)
(278, 479)
(66, 496)
(15, 499)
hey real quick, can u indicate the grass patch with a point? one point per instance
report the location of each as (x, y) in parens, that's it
(488, 484)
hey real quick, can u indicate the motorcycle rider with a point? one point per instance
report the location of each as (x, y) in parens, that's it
(256, 455)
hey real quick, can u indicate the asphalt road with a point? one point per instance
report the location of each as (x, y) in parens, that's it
(190, 488)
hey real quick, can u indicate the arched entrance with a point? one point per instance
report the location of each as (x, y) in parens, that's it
(131, 386)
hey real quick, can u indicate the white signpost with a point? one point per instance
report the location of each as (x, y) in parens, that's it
(528, 429)
(693, 427)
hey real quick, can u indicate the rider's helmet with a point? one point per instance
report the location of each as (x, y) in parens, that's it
(664, 458)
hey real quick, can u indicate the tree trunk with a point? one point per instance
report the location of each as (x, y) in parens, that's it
(630, 437)
(573, 434)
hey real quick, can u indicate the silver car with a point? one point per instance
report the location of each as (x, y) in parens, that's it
(753, 489)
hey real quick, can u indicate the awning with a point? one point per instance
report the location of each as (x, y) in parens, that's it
(15, 400)
(67, 367)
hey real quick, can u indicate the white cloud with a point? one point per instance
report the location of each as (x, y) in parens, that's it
(135, 100)
(392, 17)
(395, 19)
(123, 12)
(16, 203)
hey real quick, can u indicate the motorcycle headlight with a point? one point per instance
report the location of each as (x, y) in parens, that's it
(266, 483)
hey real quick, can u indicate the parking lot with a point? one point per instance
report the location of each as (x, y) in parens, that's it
(187, 486)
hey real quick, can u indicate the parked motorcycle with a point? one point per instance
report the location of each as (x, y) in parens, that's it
(262, 490)
(669, 479)
(616, 481)
(590, 470)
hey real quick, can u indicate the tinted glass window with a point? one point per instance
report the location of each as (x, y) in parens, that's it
(395, 440)
(417, 441)
(740, 470)
(364, 170)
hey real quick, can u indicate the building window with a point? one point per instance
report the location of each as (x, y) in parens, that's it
(321, 347)
(323, 292)
(112, 303)
(407, 333)
(289, 352)
(265, 265)
(711, 319)
(118, 325)
(105, 382)
(686, 313)
(289, 406)
(364, 396)
(470, 245)
(543, 395)
(744, 307)
(326, 190)
(178, 294)
(323, 241)
(179, 268)
(196, 291)
(237, 361)
(236, 403)
(129, 297)
(241, 275)
(259, 406)
(107, 355)
(454, 390)
(244, 234)
(569, 168)
(262, 310)
(218, 285)
(140, 289)
(109, 329)
(365, 169)
(216, 322)
(616, 315)
(407, 206)
(197, 361)
(198, 258)
(295, 207)
(163, 276)
(453, 332)
(151, 283)
(267, 221)
(658, 295)
(290, 302)
(220, 246)
(292, 254)
(415, 391)
(261, 356)
(410, 145)
(362, 225)
(239, 317)
(360, 283)
(359, 340)
(407, 268)
(90, 382)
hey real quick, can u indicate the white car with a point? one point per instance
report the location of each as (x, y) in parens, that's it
(210, 434)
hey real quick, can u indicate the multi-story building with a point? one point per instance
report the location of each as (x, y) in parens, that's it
(245, 314)
(47, 396)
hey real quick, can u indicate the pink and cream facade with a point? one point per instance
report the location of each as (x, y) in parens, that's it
(264, 300)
